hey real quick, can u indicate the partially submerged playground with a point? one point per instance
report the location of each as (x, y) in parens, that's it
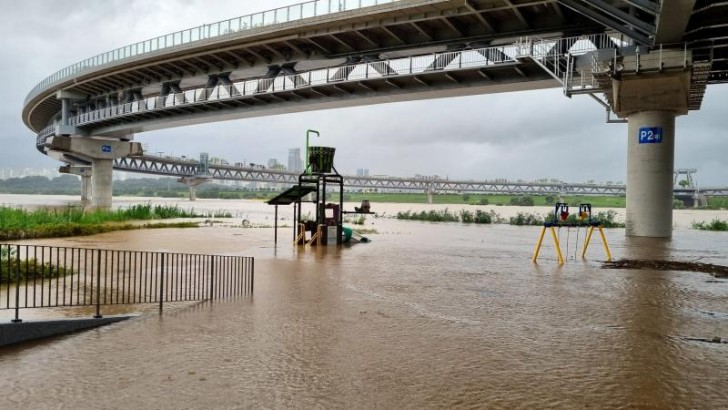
(583, 219)
(319, 180)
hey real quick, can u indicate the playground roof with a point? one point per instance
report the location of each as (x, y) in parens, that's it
(291, 195)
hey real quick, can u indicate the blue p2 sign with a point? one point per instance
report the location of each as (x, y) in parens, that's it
(106, 148)
(650, 135)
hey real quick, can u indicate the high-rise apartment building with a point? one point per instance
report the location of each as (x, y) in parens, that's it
(294, 160)
(204, 162)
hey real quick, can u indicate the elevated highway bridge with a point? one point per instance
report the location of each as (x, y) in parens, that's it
(645, 61)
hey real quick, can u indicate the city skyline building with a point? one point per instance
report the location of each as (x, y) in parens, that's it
(204, 162)
(8, 173)
(295, 163)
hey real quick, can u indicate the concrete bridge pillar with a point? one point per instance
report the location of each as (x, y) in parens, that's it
(85, 173)
(650, 91)
(86, 185)
(101, 154)
(650, 174)
(103, 173)
(192, 183)
(430, 191)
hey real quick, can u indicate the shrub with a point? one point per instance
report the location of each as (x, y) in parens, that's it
(482, 217)
(607, 219)
(12, 270)
(466, 217)
(430, 216)
(526, 219)
(479, 217)
(714, 225)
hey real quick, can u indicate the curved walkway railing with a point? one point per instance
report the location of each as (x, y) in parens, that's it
(310, 79)
(280, 15)
(449, 61)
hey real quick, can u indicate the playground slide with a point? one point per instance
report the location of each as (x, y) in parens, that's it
(352, 237)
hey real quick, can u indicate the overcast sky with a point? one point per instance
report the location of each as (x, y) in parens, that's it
(525, 135)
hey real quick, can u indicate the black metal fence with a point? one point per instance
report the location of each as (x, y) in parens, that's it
(34, 276)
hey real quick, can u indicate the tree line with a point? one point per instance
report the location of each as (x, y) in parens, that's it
(147, 187)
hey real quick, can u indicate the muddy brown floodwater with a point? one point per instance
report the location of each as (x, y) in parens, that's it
(424, 316)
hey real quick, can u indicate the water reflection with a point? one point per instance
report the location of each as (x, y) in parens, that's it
(647, 248)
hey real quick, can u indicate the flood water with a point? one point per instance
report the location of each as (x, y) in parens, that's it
(425, 316)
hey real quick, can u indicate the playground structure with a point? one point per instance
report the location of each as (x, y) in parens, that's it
(561, 219)
(319, 179)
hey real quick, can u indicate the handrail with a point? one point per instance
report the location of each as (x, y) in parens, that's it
(465, 59)
(299, 11)
(40, 276)
(340, 74)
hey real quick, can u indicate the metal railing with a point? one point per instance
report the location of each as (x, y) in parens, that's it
(280, 15)
(548, 53)
(449, 61)
(545, 51)
(33, 276)
(554, 55)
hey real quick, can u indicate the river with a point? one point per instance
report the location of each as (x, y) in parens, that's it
(425, 316)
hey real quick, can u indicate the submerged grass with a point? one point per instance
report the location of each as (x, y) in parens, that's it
(477, 217)
(607, 219)
(13, 270)
(430, 216)
(50, 223)
(714, 225)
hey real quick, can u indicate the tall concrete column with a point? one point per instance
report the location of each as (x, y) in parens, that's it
(86, 185)
(85, 173)
(103, 172)
(650, 163)
(650, 90)
(65, 110)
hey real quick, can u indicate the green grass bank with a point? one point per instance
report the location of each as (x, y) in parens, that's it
(56, 223)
